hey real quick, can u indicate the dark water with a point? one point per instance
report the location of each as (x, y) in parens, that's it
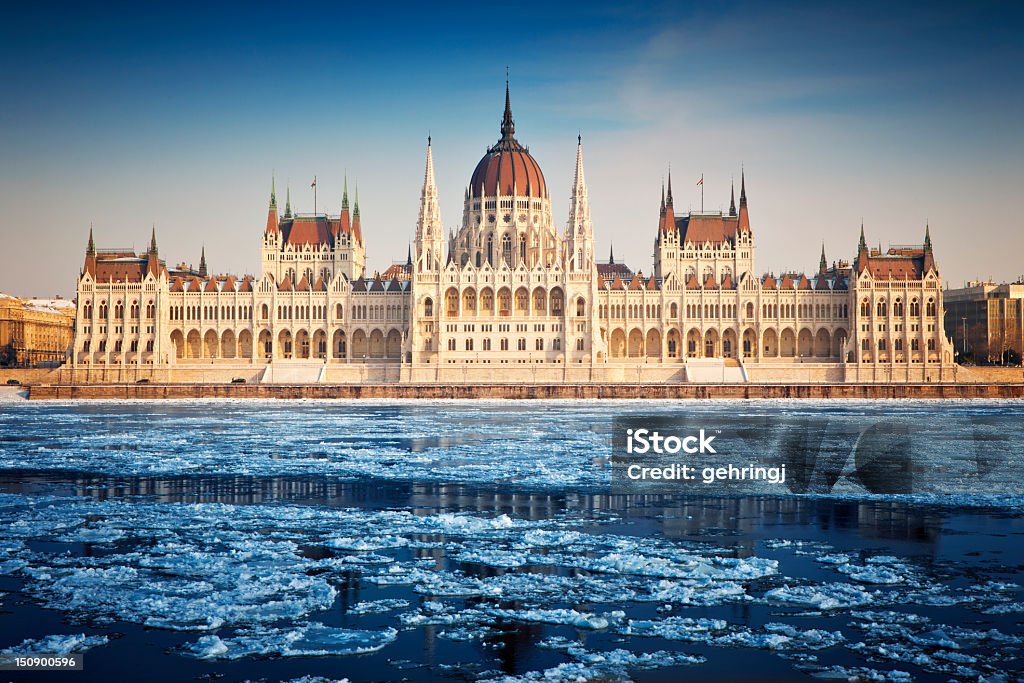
(234, 541)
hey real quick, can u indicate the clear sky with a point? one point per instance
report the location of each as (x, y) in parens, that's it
(130, 116)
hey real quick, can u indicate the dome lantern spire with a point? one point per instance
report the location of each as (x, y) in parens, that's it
(508, 126)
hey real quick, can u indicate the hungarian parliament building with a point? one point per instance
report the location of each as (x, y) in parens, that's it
(511, 297)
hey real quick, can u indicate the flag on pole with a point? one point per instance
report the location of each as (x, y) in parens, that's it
(701, 181)
(314, 182)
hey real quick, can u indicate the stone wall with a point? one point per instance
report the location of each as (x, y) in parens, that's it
(539, 391)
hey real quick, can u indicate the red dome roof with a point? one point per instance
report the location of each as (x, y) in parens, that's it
(508, 165)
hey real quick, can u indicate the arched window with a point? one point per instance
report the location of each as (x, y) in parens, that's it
(673, 311)
(882, 309)
(865, 308)
(929, 308)
(897, 308)
(428, 307)
(915, 308)
(506, 249)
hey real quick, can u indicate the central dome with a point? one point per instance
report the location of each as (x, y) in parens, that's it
(507, 168)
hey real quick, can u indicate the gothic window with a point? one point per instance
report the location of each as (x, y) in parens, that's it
(504, 344)
(865, 344)
(522, 248)
(490, 249)
(428, 307)
(452, 302)
(750, 309)
(931, 344)
(469, 344)
(929, 309)
(897, 344)
(865, 308)
(897, 308)
(487, 344)
(451, 344)
(915, 344)
(882, 309)
(539, 344)
(556, 344)
(556, 303)
(506, 249)
(521, 344)
(579, 344)
(487, 301)
(881, 345)
(915, 308)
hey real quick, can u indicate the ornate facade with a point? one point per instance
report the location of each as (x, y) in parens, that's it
(511, 296)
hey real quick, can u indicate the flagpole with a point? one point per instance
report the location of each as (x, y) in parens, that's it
(314, 195)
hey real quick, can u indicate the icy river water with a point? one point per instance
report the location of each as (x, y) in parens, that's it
(424, 541)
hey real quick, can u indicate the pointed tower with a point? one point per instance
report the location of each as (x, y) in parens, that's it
(580, 230)
(288, 202)
(929, 257)
(90, 254)
(272, 226)
(666, 244)
(346, 219)
(611, 254)
(202, 263)
(744, 218)
(732, 198)
(429, 241)
(822, 262)
(357, 227)
(153, 256)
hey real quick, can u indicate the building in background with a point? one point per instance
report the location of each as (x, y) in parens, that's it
(986, 321)
(513, 296)
(35, 332)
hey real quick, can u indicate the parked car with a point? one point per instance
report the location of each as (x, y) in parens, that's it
(14, 382)
(144, 380)
(238, 380)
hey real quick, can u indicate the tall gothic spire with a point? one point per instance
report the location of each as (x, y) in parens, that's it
(273, 194)
(822, 263)
(669, 196)
(430, 213)
(202, 263)
(862, 245)
(152, 241)
(732, 198)
(344, 194)
(90, 248)
(508, 127)
(288, 202)
(743, 188)
(611, 254)
(579, 205)
(927, 238)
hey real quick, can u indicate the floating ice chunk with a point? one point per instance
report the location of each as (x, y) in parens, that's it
(56, 645)
(303, 640)
(367, 543)
(377, 606)
(862, 674)
(567, 617)
(781, 637)
(675, 628)
(828, 596)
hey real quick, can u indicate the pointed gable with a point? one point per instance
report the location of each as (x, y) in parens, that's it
(303, 285)
(709, 282)
(211, 285)
(804, 283)
(246, 284)
(652, 284)
(821, 282)
(178, 285)
(768, 282)
(617, 283)
(286, 284)
(727, 282)
(636, 283)
(692, 283)
(787, 282)
(319, 285)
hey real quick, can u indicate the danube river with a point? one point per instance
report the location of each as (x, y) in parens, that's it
(498, 541)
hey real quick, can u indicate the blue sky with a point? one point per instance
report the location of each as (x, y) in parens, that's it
(177, 116)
